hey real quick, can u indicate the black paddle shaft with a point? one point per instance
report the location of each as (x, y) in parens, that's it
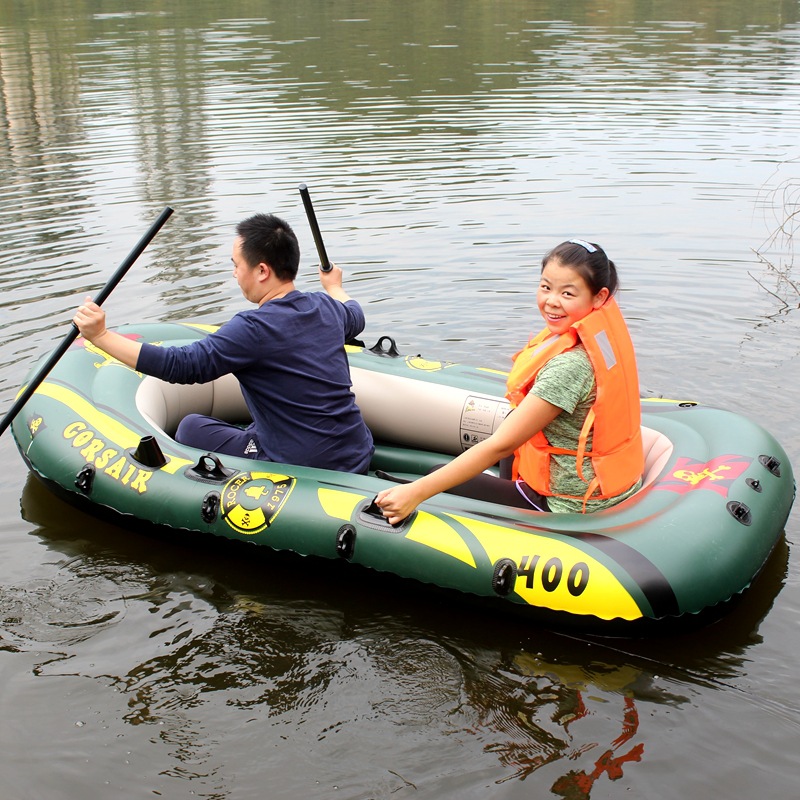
(324, 264)
(102, 296)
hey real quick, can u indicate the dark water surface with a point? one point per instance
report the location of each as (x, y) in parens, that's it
(446, 146)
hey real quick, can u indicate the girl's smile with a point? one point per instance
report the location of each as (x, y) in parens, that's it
(564, 297)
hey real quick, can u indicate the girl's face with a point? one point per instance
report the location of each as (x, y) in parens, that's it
(564, 297)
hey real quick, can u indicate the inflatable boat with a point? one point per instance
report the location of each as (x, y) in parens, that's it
(716, 493)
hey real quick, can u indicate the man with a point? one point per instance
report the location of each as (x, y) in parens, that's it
(287, 353)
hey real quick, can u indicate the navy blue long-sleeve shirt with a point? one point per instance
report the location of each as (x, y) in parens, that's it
(288, 355)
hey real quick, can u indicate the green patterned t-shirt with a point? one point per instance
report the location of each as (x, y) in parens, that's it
(567, 381)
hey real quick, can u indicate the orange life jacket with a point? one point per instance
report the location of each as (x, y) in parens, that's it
(614, 420)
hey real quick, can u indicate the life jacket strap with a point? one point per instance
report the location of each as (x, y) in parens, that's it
(580, 454)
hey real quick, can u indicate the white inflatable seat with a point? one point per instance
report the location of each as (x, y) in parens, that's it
(657, 451)
(164, 404)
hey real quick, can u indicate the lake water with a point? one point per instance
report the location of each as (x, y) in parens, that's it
(446, 146)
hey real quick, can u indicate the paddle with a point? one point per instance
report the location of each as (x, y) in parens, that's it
(73, 334)
(324, 264)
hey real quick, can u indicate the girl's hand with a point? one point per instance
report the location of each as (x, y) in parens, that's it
(399, 502)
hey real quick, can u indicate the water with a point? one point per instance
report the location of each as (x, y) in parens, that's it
(446, 146)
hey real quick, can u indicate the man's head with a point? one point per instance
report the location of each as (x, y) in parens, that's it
(267, 239)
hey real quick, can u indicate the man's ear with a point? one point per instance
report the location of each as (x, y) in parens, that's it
(264, 271)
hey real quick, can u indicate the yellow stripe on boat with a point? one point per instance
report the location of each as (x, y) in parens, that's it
(338, 504)
(102, 423)
(438, 535)
(555, 574)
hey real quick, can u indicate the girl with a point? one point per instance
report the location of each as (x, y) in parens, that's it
(575, 423)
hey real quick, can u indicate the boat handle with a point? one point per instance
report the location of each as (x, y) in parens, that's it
(391, 350)
(372, 514)
(209, 468)
(740, 512)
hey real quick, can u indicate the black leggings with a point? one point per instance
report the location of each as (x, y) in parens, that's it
(492, 489)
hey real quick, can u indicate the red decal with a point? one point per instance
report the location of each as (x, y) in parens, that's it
(716, 475)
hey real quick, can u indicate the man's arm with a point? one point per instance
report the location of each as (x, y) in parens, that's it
(332, 283)
(91, 322)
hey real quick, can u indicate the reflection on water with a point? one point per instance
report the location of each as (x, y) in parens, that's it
(228, 658)
(447, 147)
(535, 712)
(450, 148)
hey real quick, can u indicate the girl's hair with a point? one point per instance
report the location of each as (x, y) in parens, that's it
(589, 261)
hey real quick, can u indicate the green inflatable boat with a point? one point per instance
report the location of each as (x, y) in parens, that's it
(716, 493)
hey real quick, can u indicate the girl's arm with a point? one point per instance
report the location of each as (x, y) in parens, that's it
(531, 416)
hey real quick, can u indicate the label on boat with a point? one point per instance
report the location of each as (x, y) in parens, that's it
(480, 418)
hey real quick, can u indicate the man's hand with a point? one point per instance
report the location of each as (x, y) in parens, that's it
(332, 283)
(90, 320)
